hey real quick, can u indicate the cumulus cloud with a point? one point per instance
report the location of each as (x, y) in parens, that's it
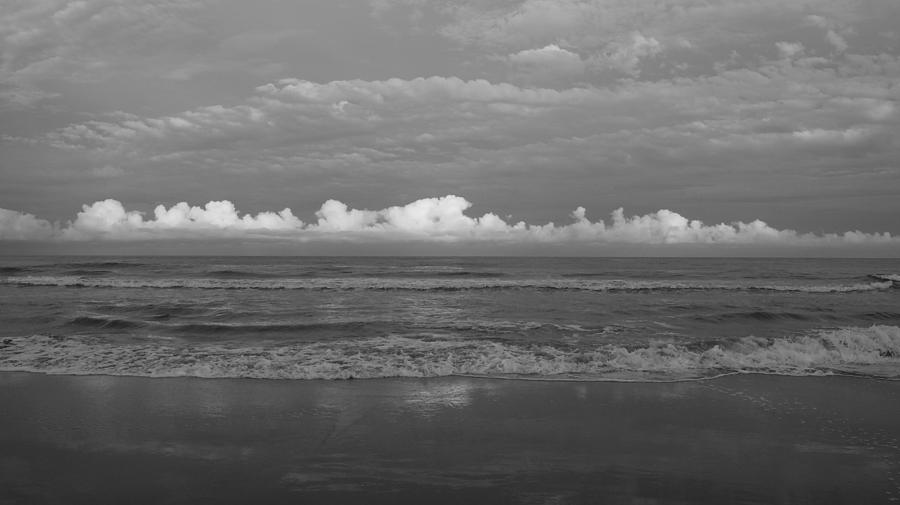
(441, 219)
(547, 65)
(108, 219)
(16, 225)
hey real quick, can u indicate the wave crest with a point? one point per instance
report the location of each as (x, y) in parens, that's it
(873, 351)
(893, 278)
(430, 284)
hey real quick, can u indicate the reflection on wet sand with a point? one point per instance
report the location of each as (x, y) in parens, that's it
(742, 439)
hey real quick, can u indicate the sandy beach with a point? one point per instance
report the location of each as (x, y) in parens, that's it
(740, 439)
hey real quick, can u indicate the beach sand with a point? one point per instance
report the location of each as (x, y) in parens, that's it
(738, 439)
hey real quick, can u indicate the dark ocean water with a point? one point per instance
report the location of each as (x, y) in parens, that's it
(546, 318)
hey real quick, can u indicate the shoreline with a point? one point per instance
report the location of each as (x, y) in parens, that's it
(562, 378)
(735, 439)
(543, 379)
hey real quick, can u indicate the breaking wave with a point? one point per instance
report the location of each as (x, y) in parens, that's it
(895, 278)
(872, 351)
(240, 274)
(431, 284)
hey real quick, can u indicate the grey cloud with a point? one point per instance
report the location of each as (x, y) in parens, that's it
(663, 104)
(784, 104)
(80, 40)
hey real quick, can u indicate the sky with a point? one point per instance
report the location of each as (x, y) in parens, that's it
(589, 127)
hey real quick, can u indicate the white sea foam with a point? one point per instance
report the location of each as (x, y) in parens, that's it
(886, 277)
(871, 351)
(431, 284)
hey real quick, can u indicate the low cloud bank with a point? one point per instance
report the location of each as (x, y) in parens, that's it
(429, 219)
(21, 226)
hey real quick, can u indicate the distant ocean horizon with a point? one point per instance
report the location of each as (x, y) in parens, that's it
(538, 318)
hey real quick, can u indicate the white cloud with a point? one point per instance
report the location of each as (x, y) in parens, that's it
(440, 219)
(16, 225)
(429, 218)
(108, 219)
(548, 65)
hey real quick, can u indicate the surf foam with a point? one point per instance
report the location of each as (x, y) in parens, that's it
(873, 351)
(429, 284)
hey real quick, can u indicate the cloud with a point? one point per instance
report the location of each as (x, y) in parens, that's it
(835, 31)
(106, 171)
(386, 115)
(789, 50)
(777, 133)
(626, 55)
(108, 219)
(353, 126)
(16, 225)
(428, 90)
(836, 40)
(693, 33)
(352, 121)
(522, 24)
(442, 219)
(80, 41)
(548, 65)
(652, 112)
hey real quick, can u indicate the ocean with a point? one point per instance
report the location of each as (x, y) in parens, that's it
(577, 319)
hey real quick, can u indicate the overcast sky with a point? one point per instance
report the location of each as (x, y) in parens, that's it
(738, 122)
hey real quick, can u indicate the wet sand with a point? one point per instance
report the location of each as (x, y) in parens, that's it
(740, 439)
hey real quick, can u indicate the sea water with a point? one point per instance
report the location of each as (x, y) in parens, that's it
(646, 319)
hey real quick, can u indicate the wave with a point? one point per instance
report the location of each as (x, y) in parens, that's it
(429, 284)
(873, 351)
(468, 273)
(240, 274)
(13, 270)
(755, 315)
(162, 322)
(83, 272)
(110, 323)
(879, 315)
(894, 278)
(260, 327)
(95, 264)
